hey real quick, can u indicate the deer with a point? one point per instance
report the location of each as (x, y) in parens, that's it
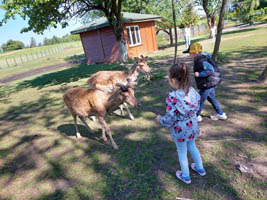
(106, 80)
(84, 102)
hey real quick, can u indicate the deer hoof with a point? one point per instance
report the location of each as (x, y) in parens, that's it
(115, 147)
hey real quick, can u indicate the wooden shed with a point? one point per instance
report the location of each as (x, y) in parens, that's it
(100, 45)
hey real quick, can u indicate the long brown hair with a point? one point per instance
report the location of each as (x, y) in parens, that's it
(180, 72)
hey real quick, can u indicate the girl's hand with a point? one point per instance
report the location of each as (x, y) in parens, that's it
(196, 74)
(158, 119)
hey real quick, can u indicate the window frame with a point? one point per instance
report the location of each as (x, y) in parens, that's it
(129, 32)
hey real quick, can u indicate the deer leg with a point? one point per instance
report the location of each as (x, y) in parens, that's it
(121, 109)
(86, 125)
(129, 112)
(105, 126)
(104, 135)
(78, 135)
(92, 118)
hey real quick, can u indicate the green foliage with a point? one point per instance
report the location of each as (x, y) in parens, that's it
(263, 4)
(138, 6)
(12, 45)
(70, 38)
(92, 15)
(156, 7)
(246, 9)
(65, 38)
(261, 15)
(189, 16)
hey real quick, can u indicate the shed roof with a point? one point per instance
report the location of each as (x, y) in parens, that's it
(103, 22)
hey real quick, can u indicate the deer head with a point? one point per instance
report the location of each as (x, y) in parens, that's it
(142, 64)
(127, 92)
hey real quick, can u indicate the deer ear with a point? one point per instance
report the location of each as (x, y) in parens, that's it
(119, 85)
(137, 59)
(146, 57)
(131, 83)
(123, 88)
(142, 56)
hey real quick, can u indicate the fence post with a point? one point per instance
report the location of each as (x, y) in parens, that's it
(7, 63)
(15, 61)
(21, 59)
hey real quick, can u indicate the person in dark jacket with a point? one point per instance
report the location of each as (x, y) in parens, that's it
(207, 75)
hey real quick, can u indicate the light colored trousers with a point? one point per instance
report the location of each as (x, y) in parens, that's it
(182, 148)
(187, 41)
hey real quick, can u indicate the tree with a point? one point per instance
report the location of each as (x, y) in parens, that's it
(210, 8)
(138, 6)
(49, 13)
(33, 43)
(12, 45)
(189, 16)
(219, 32)
(175, 31)
(245, 9)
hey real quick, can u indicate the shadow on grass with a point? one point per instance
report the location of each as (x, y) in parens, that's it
(144, 166)
(239, 31)
(69, 130)
(67, 75)
(246, 53)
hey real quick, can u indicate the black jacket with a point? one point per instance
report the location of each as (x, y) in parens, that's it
(211, 80)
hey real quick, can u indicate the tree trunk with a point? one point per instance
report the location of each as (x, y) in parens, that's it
(175, 32)
(219, 33)
(212, 25)
(170, 34)
(123, 54)
(263, 77)
(114, 17)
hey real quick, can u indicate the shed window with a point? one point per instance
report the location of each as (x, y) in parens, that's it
(133, 35)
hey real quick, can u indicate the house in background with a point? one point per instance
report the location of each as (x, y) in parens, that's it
(100, 45)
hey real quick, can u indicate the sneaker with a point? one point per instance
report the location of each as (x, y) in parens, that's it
(217, 117)
(187, 180)
(201, 172)
(199, 118)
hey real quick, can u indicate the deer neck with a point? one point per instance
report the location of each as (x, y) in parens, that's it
(133, 72)
(114, 101)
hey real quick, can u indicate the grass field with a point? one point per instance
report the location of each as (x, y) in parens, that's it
(41, 159)
(72, 51)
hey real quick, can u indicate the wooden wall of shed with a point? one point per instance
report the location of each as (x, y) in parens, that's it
(100, 46)
(148, 39)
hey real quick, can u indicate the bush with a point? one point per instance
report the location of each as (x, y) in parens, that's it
(261, 15)
(12, 45)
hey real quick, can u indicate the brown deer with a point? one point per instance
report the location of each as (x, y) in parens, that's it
(93, 102)
(106, 80)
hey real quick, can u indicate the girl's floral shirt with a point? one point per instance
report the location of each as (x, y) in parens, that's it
(181, 116)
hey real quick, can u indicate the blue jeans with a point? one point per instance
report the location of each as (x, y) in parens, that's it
(210, 95)
(187, 41)
(182, 148)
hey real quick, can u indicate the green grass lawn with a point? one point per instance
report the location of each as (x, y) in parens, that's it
(73, 51)
(41, 159)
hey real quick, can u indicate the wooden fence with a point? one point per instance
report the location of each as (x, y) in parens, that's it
(25, 58)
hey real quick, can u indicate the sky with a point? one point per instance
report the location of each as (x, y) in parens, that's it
(11, 31)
